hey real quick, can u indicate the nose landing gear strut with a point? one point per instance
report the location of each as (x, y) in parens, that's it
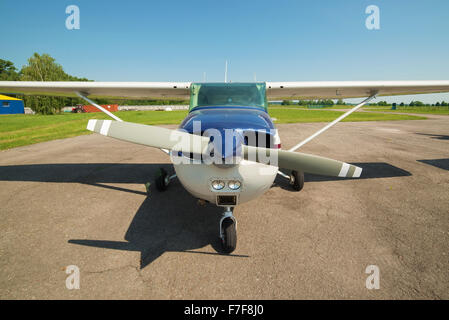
(228, 231)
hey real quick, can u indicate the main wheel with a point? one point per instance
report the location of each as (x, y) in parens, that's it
(162, 180)
(229, 231)
(297, 180)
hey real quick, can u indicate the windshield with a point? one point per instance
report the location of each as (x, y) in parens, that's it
(228, 94)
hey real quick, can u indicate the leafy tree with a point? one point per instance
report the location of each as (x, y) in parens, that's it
(44, 68)
(8, 71)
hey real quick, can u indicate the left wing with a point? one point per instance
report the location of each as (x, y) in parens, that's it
(179, 90)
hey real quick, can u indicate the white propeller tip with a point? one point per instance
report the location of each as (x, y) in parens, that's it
(91, 124)
(346, 172)
(357, 172)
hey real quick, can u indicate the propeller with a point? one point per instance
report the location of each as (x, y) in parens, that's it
(151, 136)
(301, 162)
(176, 140)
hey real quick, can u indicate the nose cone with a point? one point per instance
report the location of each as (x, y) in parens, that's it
(226, 128)
(227, 146)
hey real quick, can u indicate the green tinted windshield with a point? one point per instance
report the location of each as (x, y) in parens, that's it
(228, 94)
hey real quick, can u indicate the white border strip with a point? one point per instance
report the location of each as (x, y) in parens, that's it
(344, 170)
(105, 127)
(91, 124)
(357, 172)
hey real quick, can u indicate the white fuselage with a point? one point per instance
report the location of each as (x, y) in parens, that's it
(255, 179)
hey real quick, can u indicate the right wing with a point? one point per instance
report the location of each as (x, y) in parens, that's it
(352, 89)
(349, 89)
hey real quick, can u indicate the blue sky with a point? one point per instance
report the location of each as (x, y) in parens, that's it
(276, 40)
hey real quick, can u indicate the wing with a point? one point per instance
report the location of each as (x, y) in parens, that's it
(275, 90)
(179, 90)
(351, 89)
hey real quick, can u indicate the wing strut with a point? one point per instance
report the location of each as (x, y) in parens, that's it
(333, 122)
(98, 107)
(107, 112)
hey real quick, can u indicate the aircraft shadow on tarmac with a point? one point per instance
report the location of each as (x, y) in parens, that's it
(168, 221)
(439, 163)
(371, 170)
(434, 136)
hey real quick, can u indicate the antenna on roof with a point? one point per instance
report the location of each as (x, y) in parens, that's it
(204, 76)
(226, 71)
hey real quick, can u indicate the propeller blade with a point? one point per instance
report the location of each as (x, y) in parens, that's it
(301, 162)
(151, 136)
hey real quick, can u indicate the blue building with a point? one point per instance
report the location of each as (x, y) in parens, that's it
(9, 105)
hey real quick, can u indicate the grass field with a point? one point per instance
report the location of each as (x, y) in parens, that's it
(21, 130)
(399, 109)
(294, 106)
(289, 115)
(406, 109)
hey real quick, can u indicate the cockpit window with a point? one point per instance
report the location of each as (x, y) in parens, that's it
(228, 94)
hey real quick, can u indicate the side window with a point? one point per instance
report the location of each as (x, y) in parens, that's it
(5, 104)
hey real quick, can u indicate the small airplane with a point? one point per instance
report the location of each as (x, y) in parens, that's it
(227, 150)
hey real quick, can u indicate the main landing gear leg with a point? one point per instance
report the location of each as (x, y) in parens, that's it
(163, 179)
(228, 231)
(296, 179)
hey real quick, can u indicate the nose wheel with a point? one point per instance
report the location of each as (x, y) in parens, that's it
(228, 231)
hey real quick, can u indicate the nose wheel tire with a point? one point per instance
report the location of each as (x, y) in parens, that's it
(228, 235)
(297, 180)
(162, 180)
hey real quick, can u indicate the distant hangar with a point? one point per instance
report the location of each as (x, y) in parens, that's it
(9, 105)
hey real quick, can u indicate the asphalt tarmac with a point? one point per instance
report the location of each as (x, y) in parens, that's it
(82, 201)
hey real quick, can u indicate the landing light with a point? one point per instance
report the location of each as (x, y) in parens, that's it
(234, 185)
(218, 185)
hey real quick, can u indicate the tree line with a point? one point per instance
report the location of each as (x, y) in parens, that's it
(45, 68)
(411, 104)
(39, 68)
(321, 102)
(329, 103)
